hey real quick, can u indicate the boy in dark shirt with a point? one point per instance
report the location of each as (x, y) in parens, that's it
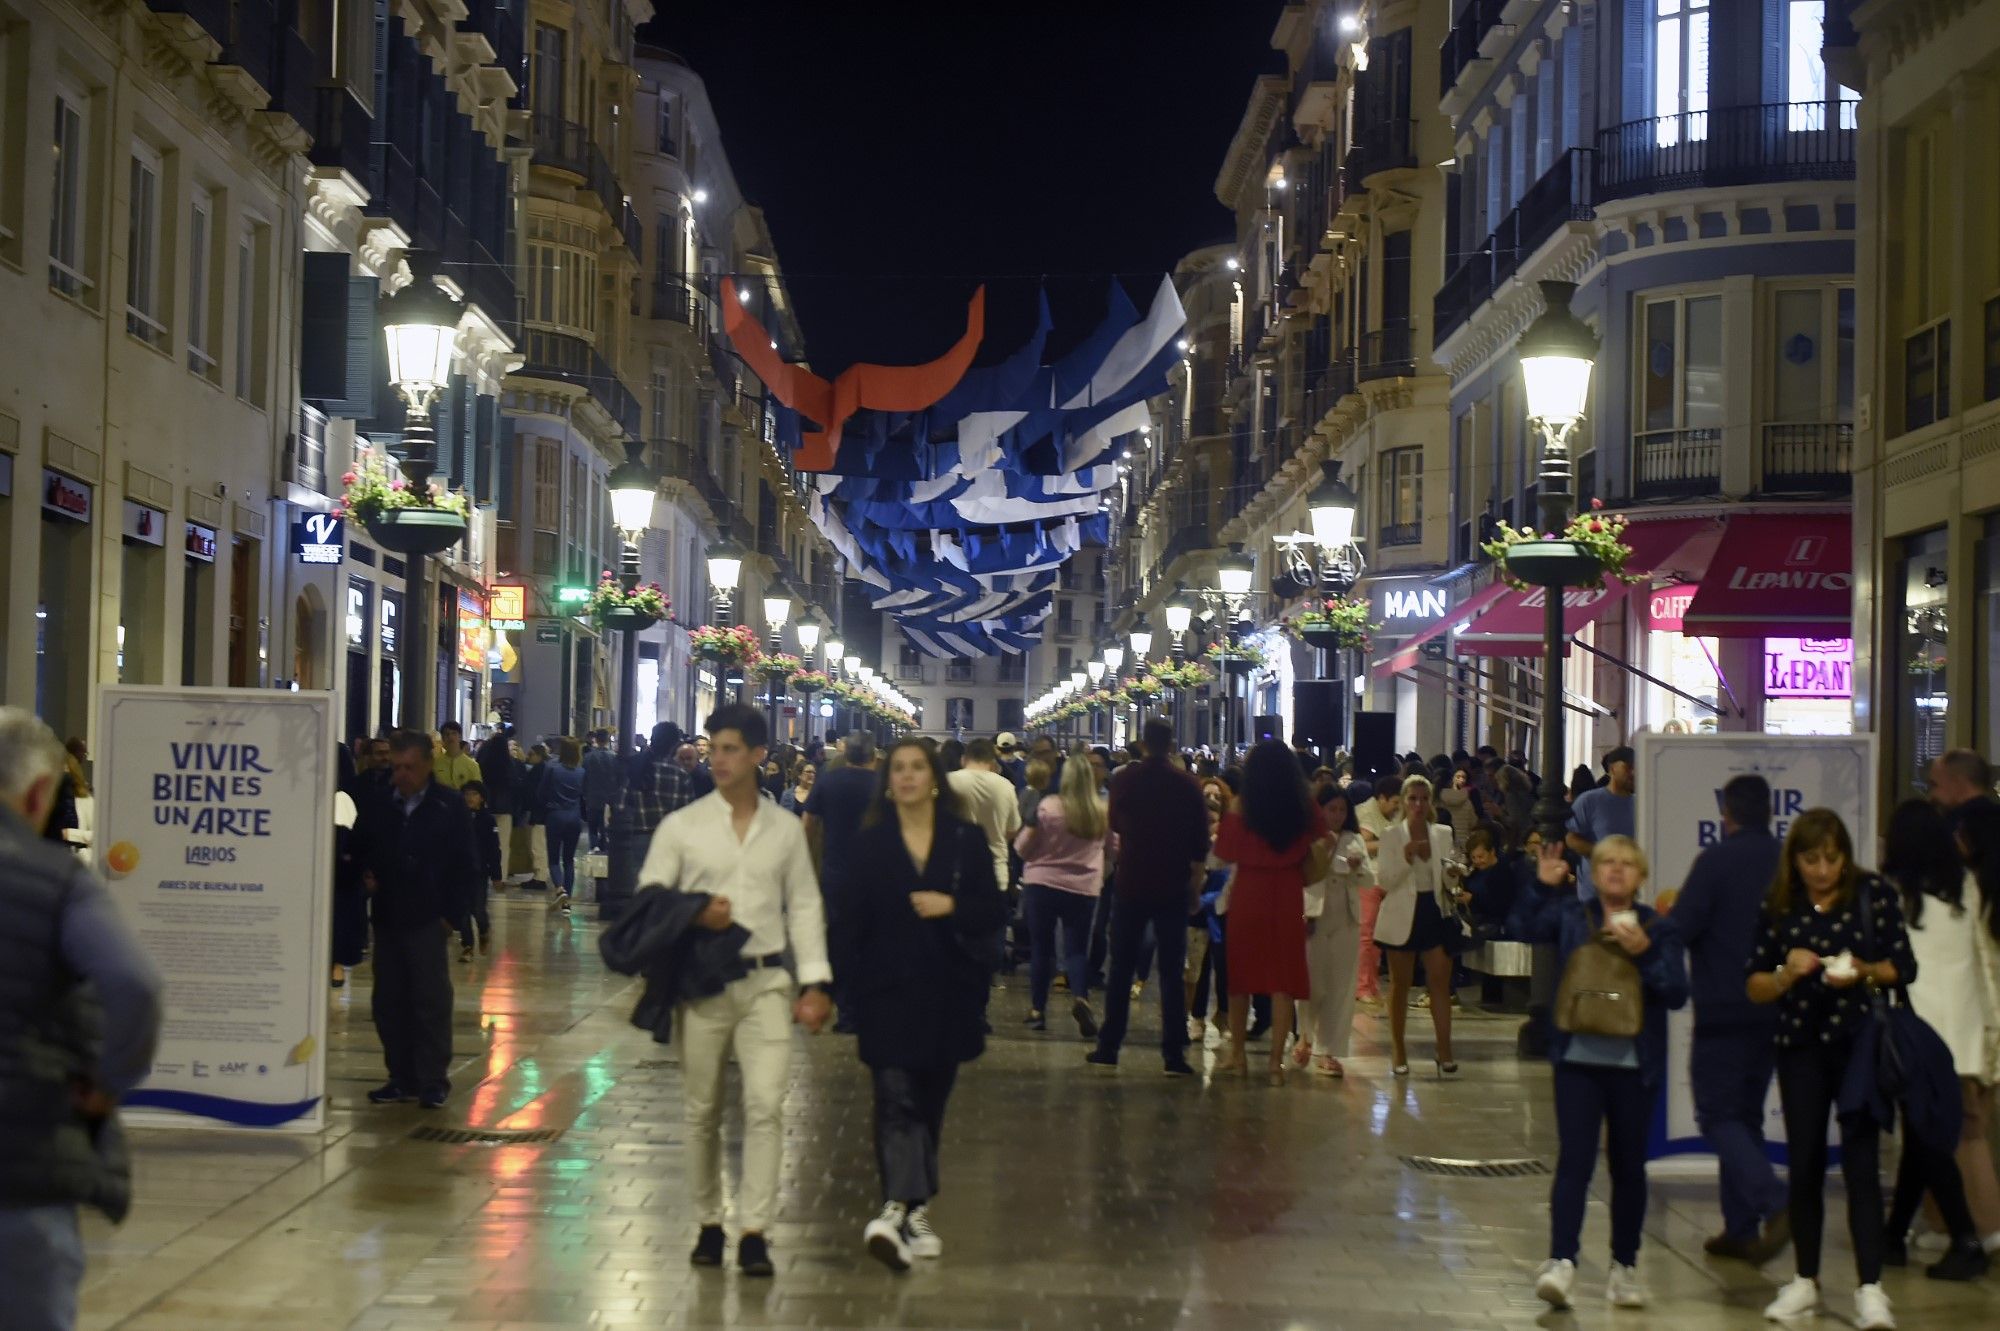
(486, 841)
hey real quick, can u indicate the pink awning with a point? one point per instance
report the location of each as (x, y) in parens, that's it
(1513, 627)
(1778, 575)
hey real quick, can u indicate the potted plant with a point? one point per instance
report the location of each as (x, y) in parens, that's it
(734, 646)
(612, 607)
(399, 517)
(1144, 689)
(778, 667)
(1239, 659)
(810, 682)
(1589, 549)
(1332, 623)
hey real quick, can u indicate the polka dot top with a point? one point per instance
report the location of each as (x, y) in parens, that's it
(1813, 1011)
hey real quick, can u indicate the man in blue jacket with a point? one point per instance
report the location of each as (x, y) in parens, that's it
(1730, 1065)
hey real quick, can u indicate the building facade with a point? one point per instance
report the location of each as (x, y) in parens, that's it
(1927, 483)
(1690, 167)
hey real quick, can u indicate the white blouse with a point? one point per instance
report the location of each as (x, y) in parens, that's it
(1957, 989)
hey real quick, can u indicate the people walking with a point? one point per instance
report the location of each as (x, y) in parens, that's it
(1270, 837)
(79, 1018)
(531, 808)
(560, 806)
(1374, 814)
(920, 934)
(420, 870)
(486, 842)
(1733, 1055)
(750, 858)
(600, 786)
(496, 769)
(798, 791)
(1979, 836)
(1623, 970)
(1419, 879)
(988, 801)
(1597, 812)
(840, 801)
(455, 763)
(1158, 818)
(1063, 857)
(1830, 935)
(1333, 943)
(655, 785)
(350, 899)
(1953, 991)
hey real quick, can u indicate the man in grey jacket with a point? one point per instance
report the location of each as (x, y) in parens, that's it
(79, 1017)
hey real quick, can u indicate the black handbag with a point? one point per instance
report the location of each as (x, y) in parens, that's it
(1900, 1062)
(988, 949)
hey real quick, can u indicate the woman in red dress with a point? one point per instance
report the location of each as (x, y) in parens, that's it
(1268, 835)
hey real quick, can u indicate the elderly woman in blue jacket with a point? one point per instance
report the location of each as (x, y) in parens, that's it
(1606, 1086)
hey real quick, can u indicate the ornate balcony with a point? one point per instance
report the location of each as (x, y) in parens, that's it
(1675, 463)
(1812, 455)
(1734, 145)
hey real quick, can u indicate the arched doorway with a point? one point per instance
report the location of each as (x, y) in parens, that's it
(309, 641)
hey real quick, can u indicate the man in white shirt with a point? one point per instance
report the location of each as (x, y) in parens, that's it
(750, 857)
(989, 801)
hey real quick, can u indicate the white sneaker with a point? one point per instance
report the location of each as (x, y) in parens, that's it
(1871, 1310)
(1800, 1298)
(924, 1241)
(884, 1237)
(1554, 1282)
(1624, 1289)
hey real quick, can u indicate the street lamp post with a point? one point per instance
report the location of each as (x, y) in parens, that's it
(777, 610)
(725, 568)
(419, 329)
(1233, 573)
(632, 489)
(1179, 611)
(1557, 354)
(1331, 510)
(809, 630)
(1141, 639)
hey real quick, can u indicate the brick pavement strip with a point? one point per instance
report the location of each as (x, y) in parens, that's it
(1072, 1198)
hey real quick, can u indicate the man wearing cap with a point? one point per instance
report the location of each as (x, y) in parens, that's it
(1606, 811)
(1012, 765)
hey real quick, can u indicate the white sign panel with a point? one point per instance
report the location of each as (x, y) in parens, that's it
(1680, 798)
(215, 832)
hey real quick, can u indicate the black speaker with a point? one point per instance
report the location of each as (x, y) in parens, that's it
(1269, 727)
(1374, 741)
(1319, 713)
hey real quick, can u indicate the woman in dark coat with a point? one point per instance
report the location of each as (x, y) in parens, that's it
(921, 937)
(350, 901)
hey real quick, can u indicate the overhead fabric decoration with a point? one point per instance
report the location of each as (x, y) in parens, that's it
(955, 493)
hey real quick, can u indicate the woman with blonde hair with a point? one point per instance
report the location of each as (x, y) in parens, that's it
(1063, 853)
(1419, 880)
(1607, 1083)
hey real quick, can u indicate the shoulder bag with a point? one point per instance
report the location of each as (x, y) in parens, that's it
(1899, 1060)
(1601, 992)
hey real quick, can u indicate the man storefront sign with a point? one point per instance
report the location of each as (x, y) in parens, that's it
(1406, 606)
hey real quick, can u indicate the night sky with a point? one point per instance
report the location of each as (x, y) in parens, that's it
(904, 153)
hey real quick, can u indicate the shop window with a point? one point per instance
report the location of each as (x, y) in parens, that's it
(142, 597)
(62, 612)
(1927, 375)
(142, 250)
(69, 204)
(1916, 672)
(247, 651)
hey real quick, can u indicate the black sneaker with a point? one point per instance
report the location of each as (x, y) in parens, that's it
(754, 1256)
(1967, 1260)
(1086, 1020)
(391, 1094)
(1180, 1067)
(707, 1247)
(1036, 1022)
(1101, 1059)
(432, 1100)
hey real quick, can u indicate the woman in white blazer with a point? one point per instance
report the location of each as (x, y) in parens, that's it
(1418, 877)
(1333, 943)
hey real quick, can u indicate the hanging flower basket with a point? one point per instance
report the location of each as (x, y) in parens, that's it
(612, 607)
(778, 667)
(1187, 675)
(1240, 659)
(809, 682)
(1144, 689)
(407, 521)
(1333, 623)
(1591, 548)
(735, 646)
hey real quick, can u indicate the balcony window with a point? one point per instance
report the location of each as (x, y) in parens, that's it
(1805, 72)
(670, 137)
(550, 68)
(1927, 375)
(1812, 379)
(1680, 70)
(958, 714)
(252, 245)
(202, 293)
(1993, 348)
(1679, 402)
(909, 663)
(142, 250)
(1401, 496)
(958, 670)
(1013, 669)
(69, 206)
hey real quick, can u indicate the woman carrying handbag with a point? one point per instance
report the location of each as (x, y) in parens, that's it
(918, 941)
(1419, 883)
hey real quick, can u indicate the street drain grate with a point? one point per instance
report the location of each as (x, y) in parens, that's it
(486, 1136)
(653, 1065)
(1431, 1164)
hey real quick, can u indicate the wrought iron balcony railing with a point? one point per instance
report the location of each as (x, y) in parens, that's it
(1733, 145)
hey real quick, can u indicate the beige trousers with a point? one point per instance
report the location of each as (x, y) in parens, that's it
(1333, 953)
(752, 1017)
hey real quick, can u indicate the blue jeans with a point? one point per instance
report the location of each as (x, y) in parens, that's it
(1729, 1071)
(1590, 1100)
(564, 830)
(1130, 920)
(41, 1266)
(1047, 907)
